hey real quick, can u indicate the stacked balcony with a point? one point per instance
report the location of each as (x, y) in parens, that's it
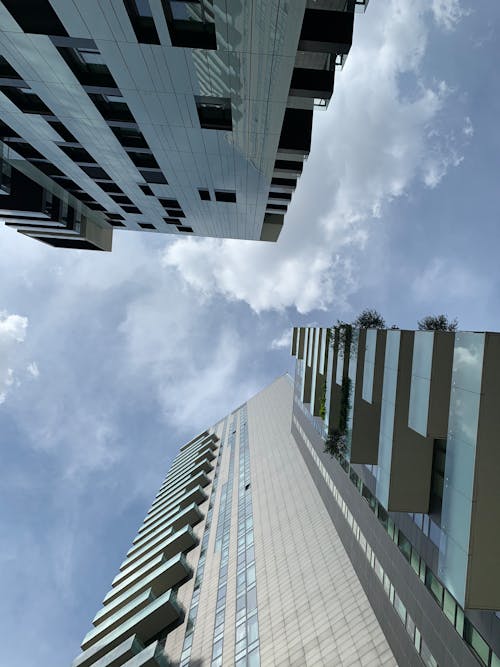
(141, 607)
(420, 409)
(324, 42)
(36, 211)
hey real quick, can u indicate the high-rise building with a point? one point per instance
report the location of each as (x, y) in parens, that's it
(237, 561)
(348, 517)
(173, 116)
(403, 428)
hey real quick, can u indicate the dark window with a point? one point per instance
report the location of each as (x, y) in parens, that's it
(326, 31)
(141, 18)
(277, 207)
(78, 154)
(172, 221)
(289, 165)
(96, 172)
(88, 66)
(290, 182)
(147, 190)
(115, 216)
(62, 131)
(280, 195)
(131, 209)
(110, 187)
(144, 160)
(153, 176)
(175, 213)
(36, 16)
(146, 225)
(112, 108)
(169, 203)
(25, 99)
(6, 131)
(190, 24)
(296, 130)
(94, 206)
(66, 183)
(7, 71)
(130, 137)
(214, 113)
(115, 223)
(25, 149)
(49, 169)
(204, 194)
(122, 199)
(225, 195)
(185, 229)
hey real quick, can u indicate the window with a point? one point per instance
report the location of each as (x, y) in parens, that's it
(110, 187)
(190, 24)
(26, 100)
(121, 199)
(169, 203)
(289, 165)
(7, 71)
(146, 225)
(78, 154)
(144, 160)
(277, 207)
(96, 173)
(176, 212)
(147, 190)
(204, 195)
(185, 229)
(280, 195)
(91, 56)
(288, 182)
(62, 131)
(115, 216)
(172, 221)
(131, 209)
(225, 195)
(130, 137)
(153, 176)
(141, 18)
(214, 113)
(36, 17)
(115, 223)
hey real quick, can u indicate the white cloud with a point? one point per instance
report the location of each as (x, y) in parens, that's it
(283, 341)
(387, 129)
(33, 370)
(448, 13)
(12, 334)
(468, 128)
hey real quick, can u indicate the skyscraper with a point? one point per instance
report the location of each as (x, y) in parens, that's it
(268, 545)
(171, 116)
(239, 532)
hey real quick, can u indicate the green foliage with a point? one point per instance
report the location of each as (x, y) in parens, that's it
(345, 404)
(437, 323)
(322, 405)
(369, 318)
(336, 444)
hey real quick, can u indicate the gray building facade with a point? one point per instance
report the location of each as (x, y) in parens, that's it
(189, 117)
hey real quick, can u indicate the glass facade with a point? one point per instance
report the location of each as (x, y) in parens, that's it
(460, 461)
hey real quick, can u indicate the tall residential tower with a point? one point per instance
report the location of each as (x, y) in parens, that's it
(345, 518)
(170, 116)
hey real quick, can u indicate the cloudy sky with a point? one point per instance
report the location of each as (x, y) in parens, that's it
(108, 362)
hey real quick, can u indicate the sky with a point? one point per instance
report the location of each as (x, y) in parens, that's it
(109, 362)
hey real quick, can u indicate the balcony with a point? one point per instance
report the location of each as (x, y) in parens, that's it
(146, 624)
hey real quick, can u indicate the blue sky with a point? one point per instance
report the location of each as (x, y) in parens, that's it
(108, 362)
